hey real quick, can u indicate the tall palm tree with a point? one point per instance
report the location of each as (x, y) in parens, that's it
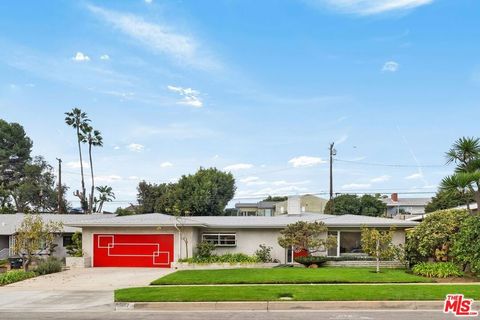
(94, 139)
(78, 120)
(459, 184)
(106, 195)
(465, 153)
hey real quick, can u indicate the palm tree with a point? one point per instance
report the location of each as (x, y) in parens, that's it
(465, 153)
(94, 139)
(78, 120)
(106, 195)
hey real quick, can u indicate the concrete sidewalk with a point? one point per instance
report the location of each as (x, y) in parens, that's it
(280, 305)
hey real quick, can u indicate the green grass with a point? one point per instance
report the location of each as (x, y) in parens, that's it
(289, 276)
(297, 292)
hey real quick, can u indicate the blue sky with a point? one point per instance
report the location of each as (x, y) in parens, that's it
(259, 88)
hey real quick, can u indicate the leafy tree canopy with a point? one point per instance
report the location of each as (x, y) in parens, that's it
(308, 236)
(447, 199)
(276, 198)
(366, 205)
(378, 244)
(466, 248)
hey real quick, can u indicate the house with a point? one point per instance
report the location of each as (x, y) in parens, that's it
(405, 207)
(10, 222)
(308, 203)
(157, 240)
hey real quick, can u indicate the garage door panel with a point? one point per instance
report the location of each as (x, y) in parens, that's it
(133, 250)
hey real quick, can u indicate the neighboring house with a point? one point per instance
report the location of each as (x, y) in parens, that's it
(308, 203)
(157, 240)
(405, 207)
(10, 222)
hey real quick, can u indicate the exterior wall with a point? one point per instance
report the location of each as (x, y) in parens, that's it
(179, 245)
(313, 203)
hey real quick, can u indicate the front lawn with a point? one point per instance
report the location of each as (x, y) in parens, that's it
(295, 292)
(289, 275)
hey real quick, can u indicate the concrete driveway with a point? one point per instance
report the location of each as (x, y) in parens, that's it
(89, 289)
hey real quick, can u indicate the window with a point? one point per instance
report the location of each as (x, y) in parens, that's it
(333, 251)
(221, 239)
(67, 240)
(350, 243)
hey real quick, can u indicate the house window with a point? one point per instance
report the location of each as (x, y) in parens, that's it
(333, 251)
(221, 239)
(67, 240)
(350, 243)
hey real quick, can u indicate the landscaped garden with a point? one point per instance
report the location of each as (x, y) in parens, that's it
(289, 276)
(295, 292)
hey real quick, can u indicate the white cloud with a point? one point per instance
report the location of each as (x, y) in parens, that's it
(116, 148)
(133, 178)
(76, 165)
(390, 66)
(356, 186)
(189, 96)
(369, 7)
(179, 131)
(135, 147)
(249, 179)
(305, 161)
(160, 38)
(414, 176)
(108, 178)
(104, 57)
(383, 178)
(148, 1)
(238, 166)
(342, 139)
(80, 57)
(166, 164)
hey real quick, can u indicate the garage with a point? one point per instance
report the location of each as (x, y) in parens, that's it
(133, 250)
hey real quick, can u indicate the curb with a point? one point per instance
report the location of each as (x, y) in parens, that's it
(280, 305)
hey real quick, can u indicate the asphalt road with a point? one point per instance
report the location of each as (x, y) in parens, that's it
(290, 315)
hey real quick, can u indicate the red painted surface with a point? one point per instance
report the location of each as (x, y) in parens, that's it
(133, 250)
(301, 253)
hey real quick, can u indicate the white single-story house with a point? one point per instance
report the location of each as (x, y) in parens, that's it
(157, 240)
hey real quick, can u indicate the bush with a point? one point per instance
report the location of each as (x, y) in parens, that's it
(225, 258)
(51, 265)
(264, 254)
(75, 249)
(205, 249)
(437, 269)
(15, 276)
(310, 260)
(466, 247)
(351, 258)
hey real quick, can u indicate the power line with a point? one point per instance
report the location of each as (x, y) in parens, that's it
(390, 164)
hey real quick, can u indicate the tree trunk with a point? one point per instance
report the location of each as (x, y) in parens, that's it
(82, 200)
(377, 250)
(93, 178)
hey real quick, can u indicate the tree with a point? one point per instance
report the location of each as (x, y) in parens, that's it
(94, 139)
(446, 199)
(466, 246)
(207, 192)
(106, 195)
(276, 198)
(433, 237)
(378, 244)
(75, 249)
(34, 236)
(465, 153)
(78, 120)
(308, 236)
(366, 205)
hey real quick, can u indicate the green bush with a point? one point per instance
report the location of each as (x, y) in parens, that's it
(466, 247)
(437, 269)
(309, 260)
(225, 258)
(15, 276)
(50, 265)
(205, 249)
(351, 258)
(264, 253)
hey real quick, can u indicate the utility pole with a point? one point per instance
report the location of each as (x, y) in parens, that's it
(332, 153)
(60, 195)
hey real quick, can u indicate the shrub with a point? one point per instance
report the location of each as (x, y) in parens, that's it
(264, 254)
(466, 247)
(15, 276)
(225, 258)
(309, 260)
(205, 249)
(437, 269)
(75, 249)
(50, 265)
(351, 258)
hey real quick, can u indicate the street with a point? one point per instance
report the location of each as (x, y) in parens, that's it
(284, 315)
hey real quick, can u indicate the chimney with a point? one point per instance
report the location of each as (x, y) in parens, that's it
(394, 197)
(293, 205)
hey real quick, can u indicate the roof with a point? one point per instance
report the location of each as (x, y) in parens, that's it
(259, 205)
(407, 201)
(10, 222)
(241, 222)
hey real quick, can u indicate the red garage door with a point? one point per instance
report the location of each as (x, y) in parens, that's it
(132, 250)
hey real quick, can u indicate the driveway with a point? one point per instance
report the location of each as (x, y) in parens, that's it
(89, 289)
